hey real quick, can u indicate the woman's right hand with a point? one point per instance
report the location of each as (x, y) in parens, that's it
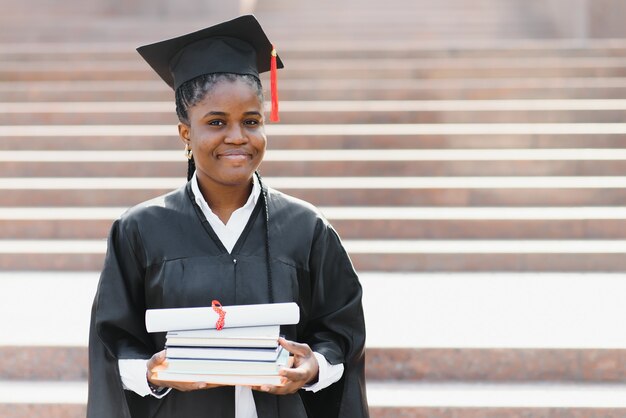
(158, 360)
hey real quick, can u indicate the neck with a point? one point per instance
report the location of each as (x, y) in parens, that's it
(224, 199)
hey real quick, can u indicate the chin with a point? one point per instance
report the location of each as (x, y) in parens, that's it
(231, 176)
(238, 179)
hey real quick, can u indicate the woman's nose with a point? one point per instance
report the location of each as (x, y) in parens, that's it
(235, 135)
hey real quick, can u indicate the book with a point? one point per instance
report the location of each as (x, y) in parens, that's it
(227, 367)
(256, 337)
(219, 353)
(177, 319)
(244, 380)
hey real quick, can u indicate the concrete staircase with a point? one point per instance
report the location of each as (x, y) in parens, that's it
(476, 175)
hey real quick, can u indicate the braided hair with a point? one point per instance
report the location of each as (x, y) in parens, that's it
(194, 91)
(270, 291)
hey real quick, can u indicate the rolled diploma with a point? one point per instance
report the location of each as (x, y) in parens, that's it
(179, 319)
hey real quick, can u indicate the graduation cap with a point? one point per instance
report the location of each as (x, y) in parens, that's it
(238, 46)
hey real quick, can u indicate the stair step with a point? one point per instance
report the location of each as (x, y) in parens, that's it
(374, 261)
(436, 68)
(345, 48)
(453, 197)
(136, 141)
(466, 129)
(328, 112)
(329, 106)
(67, 363)
(79, 411)
(330, 155)
(25, 392)
(330, 162)
(327, 183)
(387, 399)
(308, 48)
(352, 213)
(360, 223)
(491, 412)
(354, 89)
(431, 395)
(116, 73)
(368, 246)
(39, 410)
(477, 311)
(469, 229)
(314, 117)
(391, 169)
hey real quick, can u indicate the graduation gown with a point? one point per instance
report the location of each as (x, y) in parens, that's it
(164, 254)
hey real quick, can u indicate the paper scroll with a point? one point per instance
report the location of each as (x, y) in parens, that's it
(176, 319)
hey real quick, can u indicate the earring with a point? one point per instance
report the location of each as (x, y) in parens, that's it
(188, 152)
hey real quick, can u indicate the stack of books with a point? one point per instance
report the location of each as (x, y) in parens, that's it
(235, 355)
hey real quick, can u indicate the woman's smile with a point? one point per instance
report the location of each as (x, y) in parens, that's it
(234, 155)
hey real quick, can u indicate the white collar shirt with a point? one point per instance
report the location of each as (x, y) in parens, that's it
(230, 232)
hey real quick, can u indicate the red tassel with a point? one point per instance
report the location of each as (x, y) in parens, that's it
(274, 87)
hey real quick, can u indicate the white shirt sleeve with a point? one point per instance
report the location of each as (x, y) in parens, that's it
(133, 374)
(328, 374)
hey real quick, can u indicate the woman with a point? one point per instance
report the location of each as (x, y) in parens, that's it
(225, 235)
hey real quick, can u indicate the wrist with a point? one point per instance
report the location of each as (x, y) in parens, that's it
(156, 390)
(316, 372)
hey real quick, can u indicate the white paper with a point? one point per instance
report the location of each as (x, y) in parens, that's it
(178, 319)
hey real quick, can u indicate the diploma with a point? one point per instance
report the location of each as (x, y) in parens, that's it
(178, 319)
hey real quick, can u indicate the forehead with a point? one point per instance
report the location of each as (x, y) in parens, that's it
(231, 93)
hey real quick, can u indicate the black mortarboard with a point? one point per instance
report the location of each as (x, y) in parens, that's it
(238, 46)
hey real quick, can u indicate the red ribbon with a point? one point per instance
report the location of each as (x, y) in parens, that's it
(217, 307)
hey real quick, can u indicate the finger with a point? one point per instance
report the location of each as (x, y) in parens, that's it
(156, 359)
(181, 386)
(294, 375)
(266, 388)
(274, 390)
(284, 389)
(294, 347)
(185, 386)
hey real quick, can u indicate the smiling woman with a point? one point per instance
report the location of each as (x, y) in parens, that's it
(225, 235)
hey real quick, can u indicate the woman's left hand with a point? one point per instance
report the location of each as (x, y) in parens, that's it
(304, 369)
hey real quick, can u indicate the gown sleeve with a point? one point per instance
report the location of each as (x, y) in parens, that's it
(336, 327)
(117, 329)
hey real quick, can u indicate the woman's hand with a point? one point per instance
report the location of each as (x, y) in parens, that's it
(158, 361)
(304, 370)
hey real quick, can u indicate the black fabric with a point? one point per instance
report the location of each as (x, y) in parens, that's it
(238, 46)
(164, 254)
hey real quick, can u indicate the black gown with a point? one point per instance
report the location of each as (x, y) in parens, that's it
(164, 254)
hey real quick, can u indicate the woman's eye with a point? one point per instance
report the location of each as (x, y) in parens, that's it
(216, 122)
(251, 122)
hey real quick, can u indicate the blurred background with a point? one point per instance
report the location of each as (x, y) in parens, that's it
(471, 154)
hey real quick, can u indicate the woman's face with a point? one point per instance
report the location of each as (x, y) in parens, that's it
(226, 134)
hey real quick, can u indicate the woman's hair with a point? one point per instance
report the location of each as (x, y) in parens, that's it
(195, 90)
(192, 92)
